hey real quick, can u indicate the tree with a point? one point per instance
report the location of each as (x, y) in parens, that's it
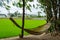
(59, 9)
(52, 5)
(11, 15)
(39, 14)
(16, 13)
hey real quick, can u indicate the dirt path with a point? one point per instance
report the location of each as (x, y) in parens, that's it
(29, 37)
(35, 37)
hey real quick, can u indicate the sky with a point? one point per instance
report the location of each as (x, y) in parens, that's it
(14, 8)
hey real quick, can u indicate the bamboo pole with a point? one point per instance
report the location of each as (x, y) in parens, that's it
(23, 18)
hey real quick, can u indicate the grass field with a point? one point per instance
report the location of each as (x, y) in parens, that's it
(8, 29)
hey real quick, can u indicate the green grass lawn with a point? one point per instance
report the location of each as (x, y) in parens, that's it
(8, 29)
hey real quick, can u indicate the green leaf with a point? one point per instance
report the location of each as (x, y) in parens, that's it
(36, 7)
(31, 0)
(30, 5)
(33, 5)
(42, 6)
(7, 7)
(19, 5)
(26, 0)
(14, 4)
(42, 1)
(28, 8)
(38, 4)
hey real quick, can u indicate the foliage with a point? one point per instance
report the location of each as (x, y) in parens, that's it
(11, 15)
(42, 2)
(49, 6)
(39, 14)
(30, 0)
(28, 8)
(19, 5)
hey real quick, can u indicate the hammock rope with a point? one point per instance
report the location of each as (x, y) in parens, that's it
(34, 31)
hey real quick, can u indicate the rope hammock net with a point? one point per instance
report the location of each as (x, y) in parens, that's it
(36, 31)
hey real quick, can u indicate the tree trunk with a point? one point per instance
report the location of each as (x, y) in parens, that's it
(48, 10)
(54, 3)
(23, 18)
(59, 9)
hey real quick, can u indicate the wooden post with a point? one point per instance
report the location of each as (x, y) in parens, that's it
(23, 18)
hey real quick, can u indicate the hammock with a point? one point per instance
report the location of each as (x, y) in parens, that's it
(36, 31)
